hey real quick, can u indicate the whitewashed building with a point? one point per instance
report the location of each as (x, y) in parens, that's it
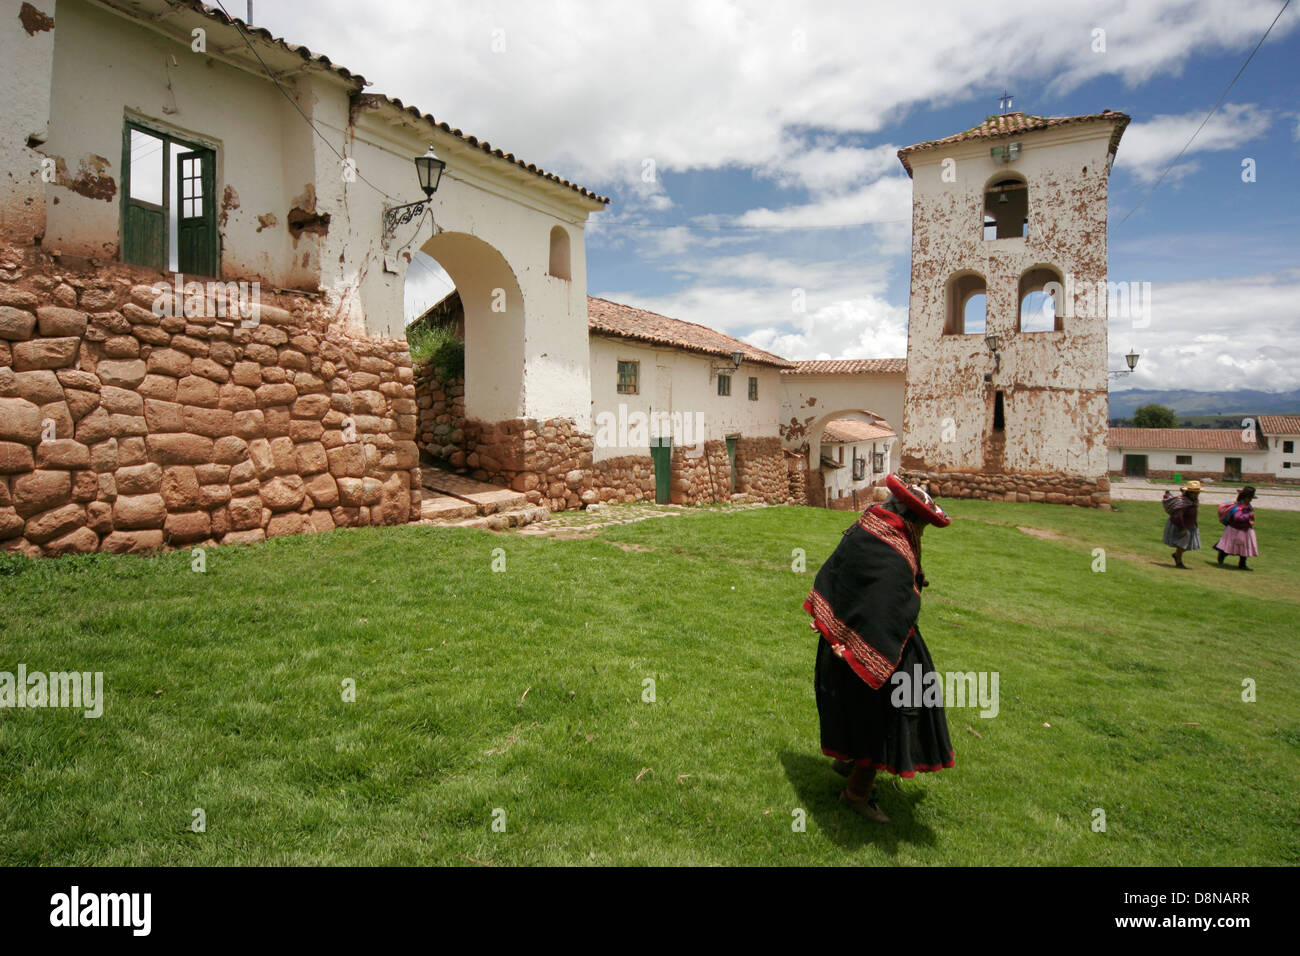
(854, 458)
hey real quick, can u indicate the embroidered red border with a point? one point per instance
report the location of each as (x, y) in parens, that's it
(919, 768)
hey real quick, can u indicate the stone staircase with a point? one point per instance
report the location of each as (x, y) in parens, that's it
(456, 499)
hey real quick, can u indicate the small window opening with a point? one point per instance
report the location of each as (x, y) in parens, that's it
(629, 374)
(724, 384)
(1006, 209)
(966, 305)
(999, 419)
(1042, 296)
(559, 254)
(753, 388)
(169, 215)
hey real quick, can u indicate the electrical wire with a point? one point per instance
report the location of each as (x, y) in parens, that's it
(1207, 115)
(294, 103)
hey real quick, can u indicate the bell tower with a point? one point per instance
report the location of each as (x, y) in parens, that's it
(1006, 393)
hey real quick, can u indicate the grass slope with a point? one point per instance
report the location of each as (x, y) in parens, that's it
(521, 691)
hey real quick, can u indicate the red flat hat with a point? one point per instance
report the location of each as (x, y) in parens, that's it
(917, 501)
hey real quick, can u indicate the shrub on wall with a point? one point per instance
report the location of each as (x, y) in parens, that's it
(439, 347)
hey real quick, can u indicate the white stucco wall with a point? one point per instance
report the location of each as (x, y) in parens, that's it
(677, 381)
(25, 89)
(1278, 459)
(1202, 461)
(839, 481)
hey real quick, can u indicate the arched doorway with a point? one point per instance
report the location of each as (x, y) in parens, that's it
(815, 487)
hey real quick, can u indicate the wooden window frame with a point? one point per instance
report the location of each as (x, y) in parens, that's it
(753, 388)
(724, 385)
(636, 376)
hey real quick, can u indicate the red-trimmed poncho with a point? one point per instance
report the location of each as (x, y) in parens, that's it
(866, 597)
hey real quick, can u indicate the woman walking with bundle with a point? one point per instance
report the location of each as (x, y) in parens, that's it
(1239, 535)
(1181, 532)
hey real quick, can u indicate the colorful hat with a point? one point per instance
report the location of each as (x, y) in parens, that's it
(915, 500)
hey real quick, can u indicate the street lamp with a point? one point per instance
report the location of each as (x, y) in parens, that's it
(737, 357)
(1132, 359)
(428, 169)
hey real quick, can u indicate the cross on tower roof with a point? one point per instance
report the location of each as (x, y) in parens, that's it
(1004, 104)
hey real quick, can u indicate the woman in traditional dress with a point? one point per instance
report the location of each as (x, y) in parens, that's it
(1181, 532)
(864, 603)
(1239, 535)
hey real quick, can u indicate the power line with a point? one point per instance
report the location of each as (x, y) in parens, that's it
(1207, 115)
(294, 103)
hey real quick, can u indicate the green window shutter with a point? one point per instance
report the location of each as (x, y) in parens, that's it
(144, 224)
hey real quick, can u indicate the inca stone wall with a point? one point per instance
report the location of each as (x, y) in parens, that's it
(441, 433)
(760, 469)
(129, 431)
(1051, 489)
(626, 478)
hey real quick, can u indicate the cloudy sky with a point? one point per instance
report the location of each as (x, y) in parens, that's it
(772, 127)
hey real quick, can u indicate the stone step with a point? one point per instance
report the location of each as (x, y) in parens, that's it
(487, 499)
(446, 508)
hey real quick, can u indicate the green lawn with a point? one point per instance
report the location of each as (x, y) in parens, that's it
(521, 691)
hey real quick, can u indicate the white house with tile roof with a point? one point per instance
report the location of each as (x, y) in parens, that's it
(1214, 454)
(855, 456)
(1281, 433)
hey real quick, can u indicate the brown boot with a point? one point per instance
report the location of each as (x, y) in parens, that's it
(864, 807)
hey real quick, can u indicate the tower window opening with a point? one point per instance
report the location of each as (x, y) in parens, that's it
(1006, 209)
(999, 417)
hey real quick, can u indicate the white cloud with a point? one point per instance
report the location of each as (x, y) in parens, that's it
(1149, 145)
(885, 201)
(590, 90)
(1215, 334)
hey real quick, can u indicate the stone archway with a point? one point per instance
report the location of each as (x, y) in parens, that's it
(494, 323)
(816, 493)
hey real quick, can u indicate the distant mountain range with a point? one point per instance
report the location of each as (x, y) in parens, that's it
(1186, 403)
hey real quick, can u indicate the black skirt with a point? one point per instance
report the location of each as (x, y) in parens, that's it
(863, 725)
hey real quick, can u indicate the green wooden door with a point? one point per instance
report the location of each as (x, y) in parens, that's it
(661, 453)
(731, 460)
(196, 223)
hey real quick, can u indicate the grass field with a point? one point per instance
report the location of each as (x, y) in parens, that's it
(517, 696)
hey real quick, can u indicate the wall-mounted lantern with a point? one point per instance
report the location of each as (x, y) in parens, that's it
(992, 340)
(428, 169)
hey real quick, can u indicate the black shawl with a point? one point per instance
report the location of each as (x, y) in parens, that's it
(866, 597)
